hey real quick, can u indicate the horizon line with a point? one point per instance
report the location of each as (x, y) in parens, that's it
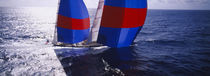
(95, 8)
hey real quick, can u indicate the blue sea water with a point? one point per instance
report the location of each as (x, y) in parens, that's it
(171, 43)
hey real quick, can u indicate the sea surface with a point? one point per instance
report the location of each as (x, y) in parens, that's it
(171, 43)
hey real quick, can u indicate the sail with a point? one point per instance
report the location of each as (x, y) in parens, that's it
(73, 22)
(96, 24)
(121, 22)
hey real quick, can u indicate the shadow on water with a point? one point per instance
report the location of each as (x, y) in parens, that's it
(112, 61)
(124, 59)
(80, 62)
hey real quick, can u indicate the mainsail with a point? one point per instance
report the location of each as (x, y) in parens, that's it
(121, 22)
(97, 21)
(73, 22)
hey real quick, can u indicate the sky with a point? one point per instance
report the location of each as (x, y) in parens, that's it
(152, 4)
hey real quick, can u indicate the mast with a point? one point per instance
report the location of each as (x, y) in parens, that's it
(55, 37)
(96, 24)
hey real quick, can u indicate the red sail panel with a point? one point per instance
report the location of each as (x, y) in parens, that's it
(119, 17)
(72, 23)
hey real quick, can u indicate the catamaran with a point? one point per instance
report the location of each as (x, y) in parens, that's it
(116, 23)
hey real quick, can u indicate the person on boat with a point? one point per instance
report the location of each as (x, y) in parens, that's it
(47, 42)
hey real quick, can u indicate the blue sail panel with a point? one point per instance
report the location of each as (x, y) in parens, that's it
(71, 36)
(117, 37)
(73, 9)
(127, 3)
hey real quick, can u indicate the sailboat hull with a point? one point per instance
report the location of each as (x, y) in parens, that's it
(121, 22)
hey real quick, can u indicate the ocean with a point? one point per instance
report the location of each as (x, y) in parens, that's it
(171, 43)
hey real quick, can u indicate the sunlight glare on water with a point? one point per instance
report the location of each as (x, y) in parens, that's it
(24, 33)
